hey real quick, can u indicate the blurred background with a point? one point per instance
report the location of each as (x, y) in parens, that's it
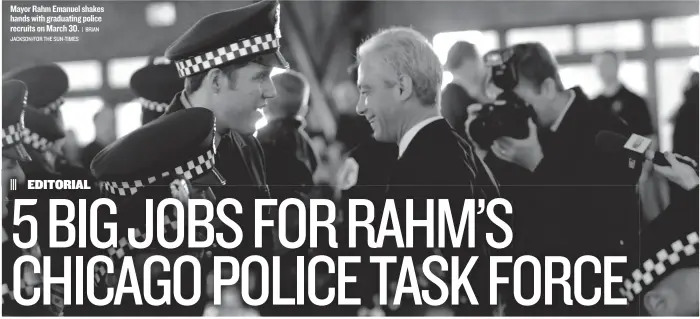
(659, 39)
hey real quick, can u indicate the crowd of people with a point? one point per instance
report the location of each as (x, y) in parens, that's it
(399, 136)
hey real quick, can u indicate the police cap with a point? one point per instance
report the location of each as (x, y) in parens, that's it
(40, 130)
(155, 85)
(246, 34)
(669, 243)
(46, 84)
(178, 145)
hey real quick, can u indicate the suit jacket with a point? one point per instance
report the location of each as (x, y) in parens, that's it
(240, 160)
(438, 164)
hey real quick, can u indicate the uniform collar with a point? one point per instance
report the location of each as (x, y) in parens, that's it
(411, 133)
(557, 123)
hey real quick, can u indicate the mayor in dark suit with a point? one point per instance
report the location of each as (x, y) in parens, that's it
(226, 59)
(585, 202)
(399, 80)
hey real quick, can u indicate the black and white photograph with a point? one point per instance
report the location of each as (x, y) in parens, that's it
(341, 158)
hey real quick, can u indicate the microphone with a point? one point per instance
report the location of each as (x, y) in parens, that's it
(616, 144)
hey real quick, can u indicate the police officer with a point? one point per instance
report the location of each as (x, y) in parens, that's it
(155, 85)
(139, 166)
(14, 99)
(47, 85)
(226, 59)
(43, 138)
(664, 280)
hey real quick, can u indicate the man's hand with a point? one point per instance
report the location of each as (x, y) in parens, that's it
(679, 173)
(472, 112)
(526, 153)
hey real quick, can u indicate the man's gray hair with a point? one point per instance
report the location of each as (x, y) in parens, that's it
(409, 53)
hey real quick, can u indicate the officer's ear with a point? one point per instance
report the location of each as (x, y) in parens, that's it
(214, 78)
(660, 302)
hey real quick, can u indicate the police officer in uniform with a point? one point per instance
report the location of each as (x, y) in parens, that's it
(155, 85)
(664, 280)
(140, 166)
(43, 138)
(14, 99)
(47, 84)
(226, 59)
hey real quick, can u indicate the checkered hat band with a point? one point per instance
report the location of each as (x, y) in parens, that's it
(12, 134)
(35, 140)
(53, 106)
(654, 268)
(190, 170)
(153, 105)
(226, 54)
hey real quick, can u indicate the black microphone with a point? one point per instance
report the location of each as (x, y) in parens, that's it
(616, 144)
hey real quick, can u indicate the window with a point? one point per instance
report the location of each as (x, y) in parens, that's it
(557, 39)
(83, 75)
(119, 71)
(583, 75)
(484, 41)
(632, 74)
(617, 35)
(77, 115)
(162, 14)
(671, 77)
(128, 117)
(676, 31)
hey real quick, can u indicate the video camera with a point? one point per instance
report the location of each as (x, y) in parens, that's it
(508, 115)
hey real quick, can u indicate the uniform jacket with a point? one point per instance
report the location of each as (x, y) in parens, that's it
(241, 161)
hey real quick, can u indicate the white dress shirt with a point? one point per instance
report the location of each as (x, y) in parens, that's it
(556, 124)
(406, 139)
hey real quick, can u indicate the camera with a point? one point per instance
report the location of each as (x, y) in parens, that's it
(508, 115)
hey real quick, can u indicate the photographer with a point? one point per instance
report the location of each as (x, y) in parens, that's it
(578, 206)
